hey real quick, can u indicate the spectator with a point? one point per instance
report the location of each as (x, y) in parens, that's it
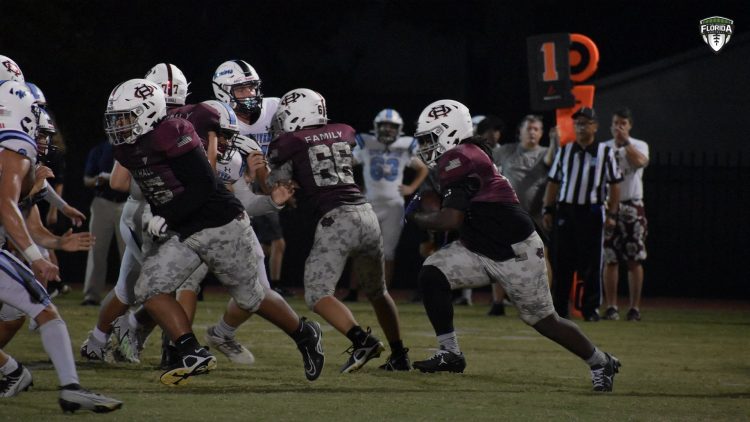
(525, 164)
(627, 241)
(583, 173)
(106, 209)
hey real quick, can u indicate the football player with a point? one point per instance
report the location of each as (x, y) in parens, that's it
(317, 157)
(237, 83)
(383, 156)
(497, 244)
(195, 220)
(20, 286)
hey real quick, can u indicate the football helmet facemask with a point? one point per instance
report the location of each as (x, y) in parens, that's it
(172, 81)
(301, 108)
(441, 126)
(133, 109)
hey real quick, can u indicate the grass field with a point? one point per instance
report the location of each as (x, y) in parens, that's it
(678, 364)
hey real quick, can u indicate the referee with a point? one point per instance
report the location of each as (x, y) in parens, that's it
(581, 199)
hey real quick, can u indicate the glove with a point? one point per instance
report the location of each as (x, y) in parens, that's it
(246, 145)
(157, 227)
(412, 207)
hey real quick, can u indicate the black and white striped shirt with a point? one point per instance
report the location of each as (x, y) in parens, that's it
(583, 173)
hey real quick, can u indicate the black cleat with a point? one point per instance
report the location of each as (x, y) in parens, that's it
(611, 314)
(198, 363)
(397, 362)
(603, 376)
(634, 315)
(497, 309)
(360, 354)
(311, 348)
(442, 361)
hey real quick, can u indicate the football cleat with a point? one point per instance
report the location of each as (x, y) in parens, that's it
(397, 362)
(442, 361)
(11, 385)
(311, 347)
(125, 340)
(603, 376)
(230, 347)
(634, 315)
(93, 351)
(360, 354)
(81, 399)
(198, 363)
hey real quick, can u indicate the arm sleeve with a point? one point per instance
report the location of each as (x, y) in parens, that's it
(254, 204)
(52, 197)
(555, 171)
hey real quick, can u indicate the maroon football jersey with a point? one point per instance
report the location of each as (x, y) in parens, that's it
(201, 116)
(173, 172)
(321, 161)
(493, 217)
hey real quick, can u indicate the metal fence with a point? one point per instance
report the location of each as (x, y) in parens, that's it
(697, 205)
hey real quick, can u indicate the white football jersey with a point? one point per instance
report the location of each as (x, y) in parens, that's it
(383, 167)
(233, 170)
(261, 129)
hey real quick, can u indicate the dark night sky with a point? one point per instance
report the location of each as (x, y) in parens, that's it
(361, 55)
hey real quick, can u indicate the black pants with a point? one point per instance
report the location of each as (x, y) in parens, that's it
(577, 238)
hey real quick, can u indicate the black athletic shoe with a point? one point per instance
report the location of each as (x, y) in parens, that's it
(311, 348)
(603, 376)
(360, 354)
(283, 292)
(199, 362)
(497, 309)
(592, 317)
(442, 361)
(611, 314)
(634, 315)
(397, 362)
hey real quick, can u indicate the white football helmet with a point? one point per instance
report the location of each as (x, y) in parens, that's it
(19, 119)
(39, 97)
(172, 82)
(391, 116)
(441, 126)
(9, 70)
(133, 109)
(233, 74)
(228, 127)
(301, 108)
(46, 128)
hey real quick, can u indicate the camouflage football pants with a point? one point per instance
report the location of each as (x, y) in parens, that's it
(349, 230)
(524, 277)
(228, 251)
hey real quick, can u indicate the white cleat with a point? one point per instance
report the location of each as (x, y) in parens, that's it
(11, 386)
(230, 347)
(82, 399)
(126, 340)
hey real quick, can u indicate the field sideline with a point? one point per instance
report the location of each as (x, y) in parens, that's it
(678, 364)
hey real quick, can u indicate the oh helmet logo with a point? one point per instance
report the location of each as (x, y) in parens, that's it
(291, 98)
(144, 91)
(716, 32)
(439, 111)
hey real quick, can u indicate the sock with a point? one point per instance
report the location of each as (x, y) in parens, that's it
(598, 358)
(132, 321)
(397, 347)
(10, 366)
(187, 344)
(100, 336)
(449, 342)
(224, 330)
(357, 335)
(437, 299)
(56, 342)
(298, 334)
(467, 294)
